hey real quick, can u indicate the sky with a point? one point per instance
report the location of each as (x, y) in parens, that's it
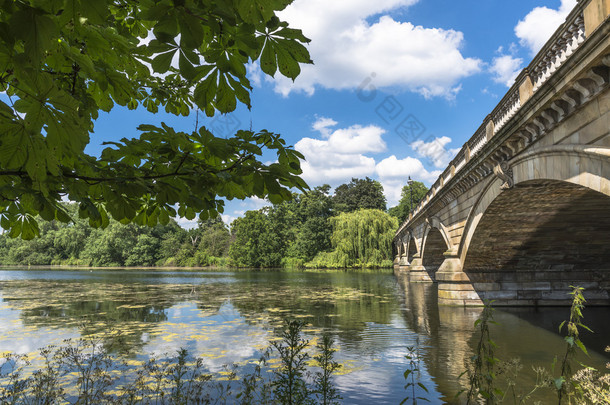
(396, 88)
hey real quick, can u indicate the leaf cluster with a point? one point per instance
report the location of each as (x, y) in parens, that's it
(64, 61)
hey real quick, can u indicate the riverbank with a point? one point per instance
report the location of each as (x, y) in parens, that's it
(190, 269)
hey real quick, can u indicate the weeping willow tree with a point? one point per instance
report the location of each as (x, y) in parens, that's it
(361, 238)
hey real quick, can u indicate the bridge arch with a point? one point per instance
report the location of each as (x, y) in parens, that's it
(412, 248)
(435, 243)
(577, 164)
(532, 241)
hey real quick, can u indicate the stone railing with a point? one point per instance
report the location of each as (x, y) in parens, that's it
(506, 109)
(562, 44)
(566, 39)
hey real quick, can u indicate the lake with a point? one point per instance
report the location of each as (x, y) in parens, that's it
(229, 316)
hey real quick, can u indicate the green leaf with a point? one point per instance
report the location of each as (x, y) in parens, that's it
(187, 69)
(422, 386)
(38, 31)
(166, 28)
(162, 61)
(268, 60)
(559, 382)
(288, 66)
(191, 31)
(95, 11)
(581, 346)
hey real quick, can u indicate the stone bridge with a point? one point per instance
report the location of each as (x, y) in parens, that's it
(523, 211)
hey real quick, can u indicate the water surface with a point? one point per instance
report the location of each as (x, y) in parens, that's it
(229, 316)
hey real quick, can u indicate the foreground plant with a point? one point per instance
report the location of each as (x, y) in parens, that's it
(565, 385)
(84, 372)
(585, 386)
(410, 375)
(325, 390)
(482, 369)
(289, 386)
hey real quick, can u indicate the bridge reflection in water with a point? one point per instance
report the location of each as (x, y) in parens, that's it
(448, 338)
(523, 211)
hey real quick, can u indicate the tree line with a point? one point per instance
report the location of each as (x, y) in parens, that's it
(348, 228)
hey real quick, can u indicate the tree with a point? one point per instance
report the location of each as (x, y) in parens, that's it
(256, 244)
(62, 62)
(359, 194)
(410, 193)
(215, 237)
(313, 210)
(361, 238)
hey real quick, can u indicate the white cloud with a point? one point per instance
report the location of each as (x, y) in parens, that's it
(186, 223)
(227, 219)
(342, 155)
(347, 47)
(393, 174)
(323, 125)
(257, 202)
(436, 151)
(505, 69)
(254, 74)
(538, 26)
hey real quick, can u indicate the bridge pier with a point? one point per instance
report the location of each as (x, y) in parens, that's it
(417, 271)
(454, 286)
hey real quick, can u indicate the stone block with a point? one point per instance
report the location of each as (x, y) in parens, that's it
(536, 286)
(595, 294)
(452, 277)
(458, 295)
(515, 303)
(455, 287)
(500, 295)
(555, 295)
(595, 13)
(526, 89)
(529, 295)
(487, 286)
(554, 303)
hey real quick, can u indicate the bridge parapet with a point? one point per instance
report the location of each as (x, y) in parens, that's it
(558, 110)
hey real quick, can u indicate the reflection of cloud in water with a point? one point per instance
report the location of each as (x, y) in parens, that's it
(375, 368)
(220, 338)
(18, 338)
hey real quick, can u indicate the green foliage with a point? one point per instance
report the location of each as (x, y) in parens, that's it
(415, 193)
(565, 385)
(215, 237)
(287, 234)
(289, 386)
(325, 390)
(482, 373)
(65, 61)
(312, 210)
(360, 239)
(256, 244)
(119, 244)
(359, 194)
(586, 386)
(410, 374)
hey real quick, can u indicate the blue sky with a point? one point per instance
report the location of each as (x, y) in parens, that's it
(396, 88)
